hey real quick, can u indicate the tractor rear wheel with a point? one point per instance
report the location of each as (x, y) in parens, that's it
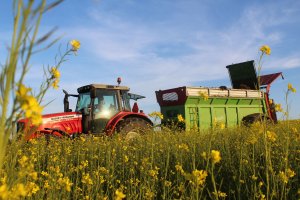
(133, 127)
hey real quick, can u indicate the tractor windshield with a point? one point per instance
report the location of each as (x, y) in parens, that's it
(105, 103)
(84, 100)
(105, 106)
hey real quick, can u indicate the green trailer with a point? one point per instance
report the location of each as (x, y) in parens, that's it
(204, 107)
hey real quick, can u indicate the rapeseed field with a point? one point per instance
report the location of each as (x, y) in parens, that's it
(257, 162)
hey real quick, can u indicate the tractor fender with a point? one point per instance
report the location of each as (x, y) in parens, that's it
(113, 122)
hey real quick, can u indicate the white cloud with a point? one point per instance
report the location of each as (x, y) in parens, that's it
(287, 62)
(135, 48)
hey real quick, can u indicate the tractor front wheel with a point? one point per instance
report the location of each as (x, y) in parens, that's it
(133, 127)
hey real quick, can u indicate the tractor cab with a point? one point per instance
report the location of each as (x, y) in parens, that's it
(99, 103)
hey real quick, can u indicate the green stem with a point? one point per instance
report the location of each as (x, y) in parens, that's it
(8, 84)
(214, 182)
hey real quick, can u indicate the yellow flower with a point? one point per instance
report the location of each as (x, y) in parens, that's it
(36, 118)
(85, 163)
(4, 192)
(245, 161)
(283, 177)
(184, 147)
(33, 141)
(167, 183)
(33, 175)
(55, 84)
(294, 130)
(75, 45)
(20, 190)
(222, 126)
(82, 138)
(204, 95)
(29, 105)
(154, 172)
(215, 156)
(44, 174)
(66, 183)
(55, 72)
(3, 180)
(290, 173)
(265, 49)
(46, 185)
(149, 194)
(203, 155)
(126, 159)
(87, 179)
(180, 118)
(179, 168)
(22, 161)
(278, 108)
(253, 177)
(291, 88)
(32, 188)
(199, 176)
(55, 75)
(222, 194)
(103, 170)
(271, 136)
(22, 91)
(120, 195)
(156, 115)
(262, 197)
(270, 101)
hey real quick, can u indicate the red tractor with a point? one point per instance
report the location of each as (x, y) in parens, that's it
(100, 110)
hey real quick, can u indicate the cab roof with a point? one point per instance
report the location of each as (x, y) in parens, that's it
(101, 86)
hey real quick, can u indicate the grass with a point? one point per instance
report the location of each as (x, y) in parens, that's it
(256, 163)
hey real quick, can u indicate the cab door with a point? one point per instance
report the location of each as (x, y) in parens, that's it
(105, 106)
(84, 106)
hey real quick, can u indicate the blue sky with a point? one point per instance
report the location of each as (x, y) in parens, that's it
(160, 44)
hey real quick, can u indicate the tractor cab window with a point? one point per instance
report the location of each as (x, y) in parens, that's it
(125, 101)
(105, 103)
(84, 101)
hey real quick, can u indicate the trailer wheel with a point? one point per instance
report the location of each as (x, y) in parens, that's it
(256, 117)
(133, 127)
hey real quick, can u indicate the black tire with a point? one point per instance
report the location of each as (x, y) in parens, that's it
(133, 127)
(256, 117)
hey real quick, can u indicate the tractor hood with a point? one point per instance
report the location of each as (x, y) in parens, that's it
(62, 123)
